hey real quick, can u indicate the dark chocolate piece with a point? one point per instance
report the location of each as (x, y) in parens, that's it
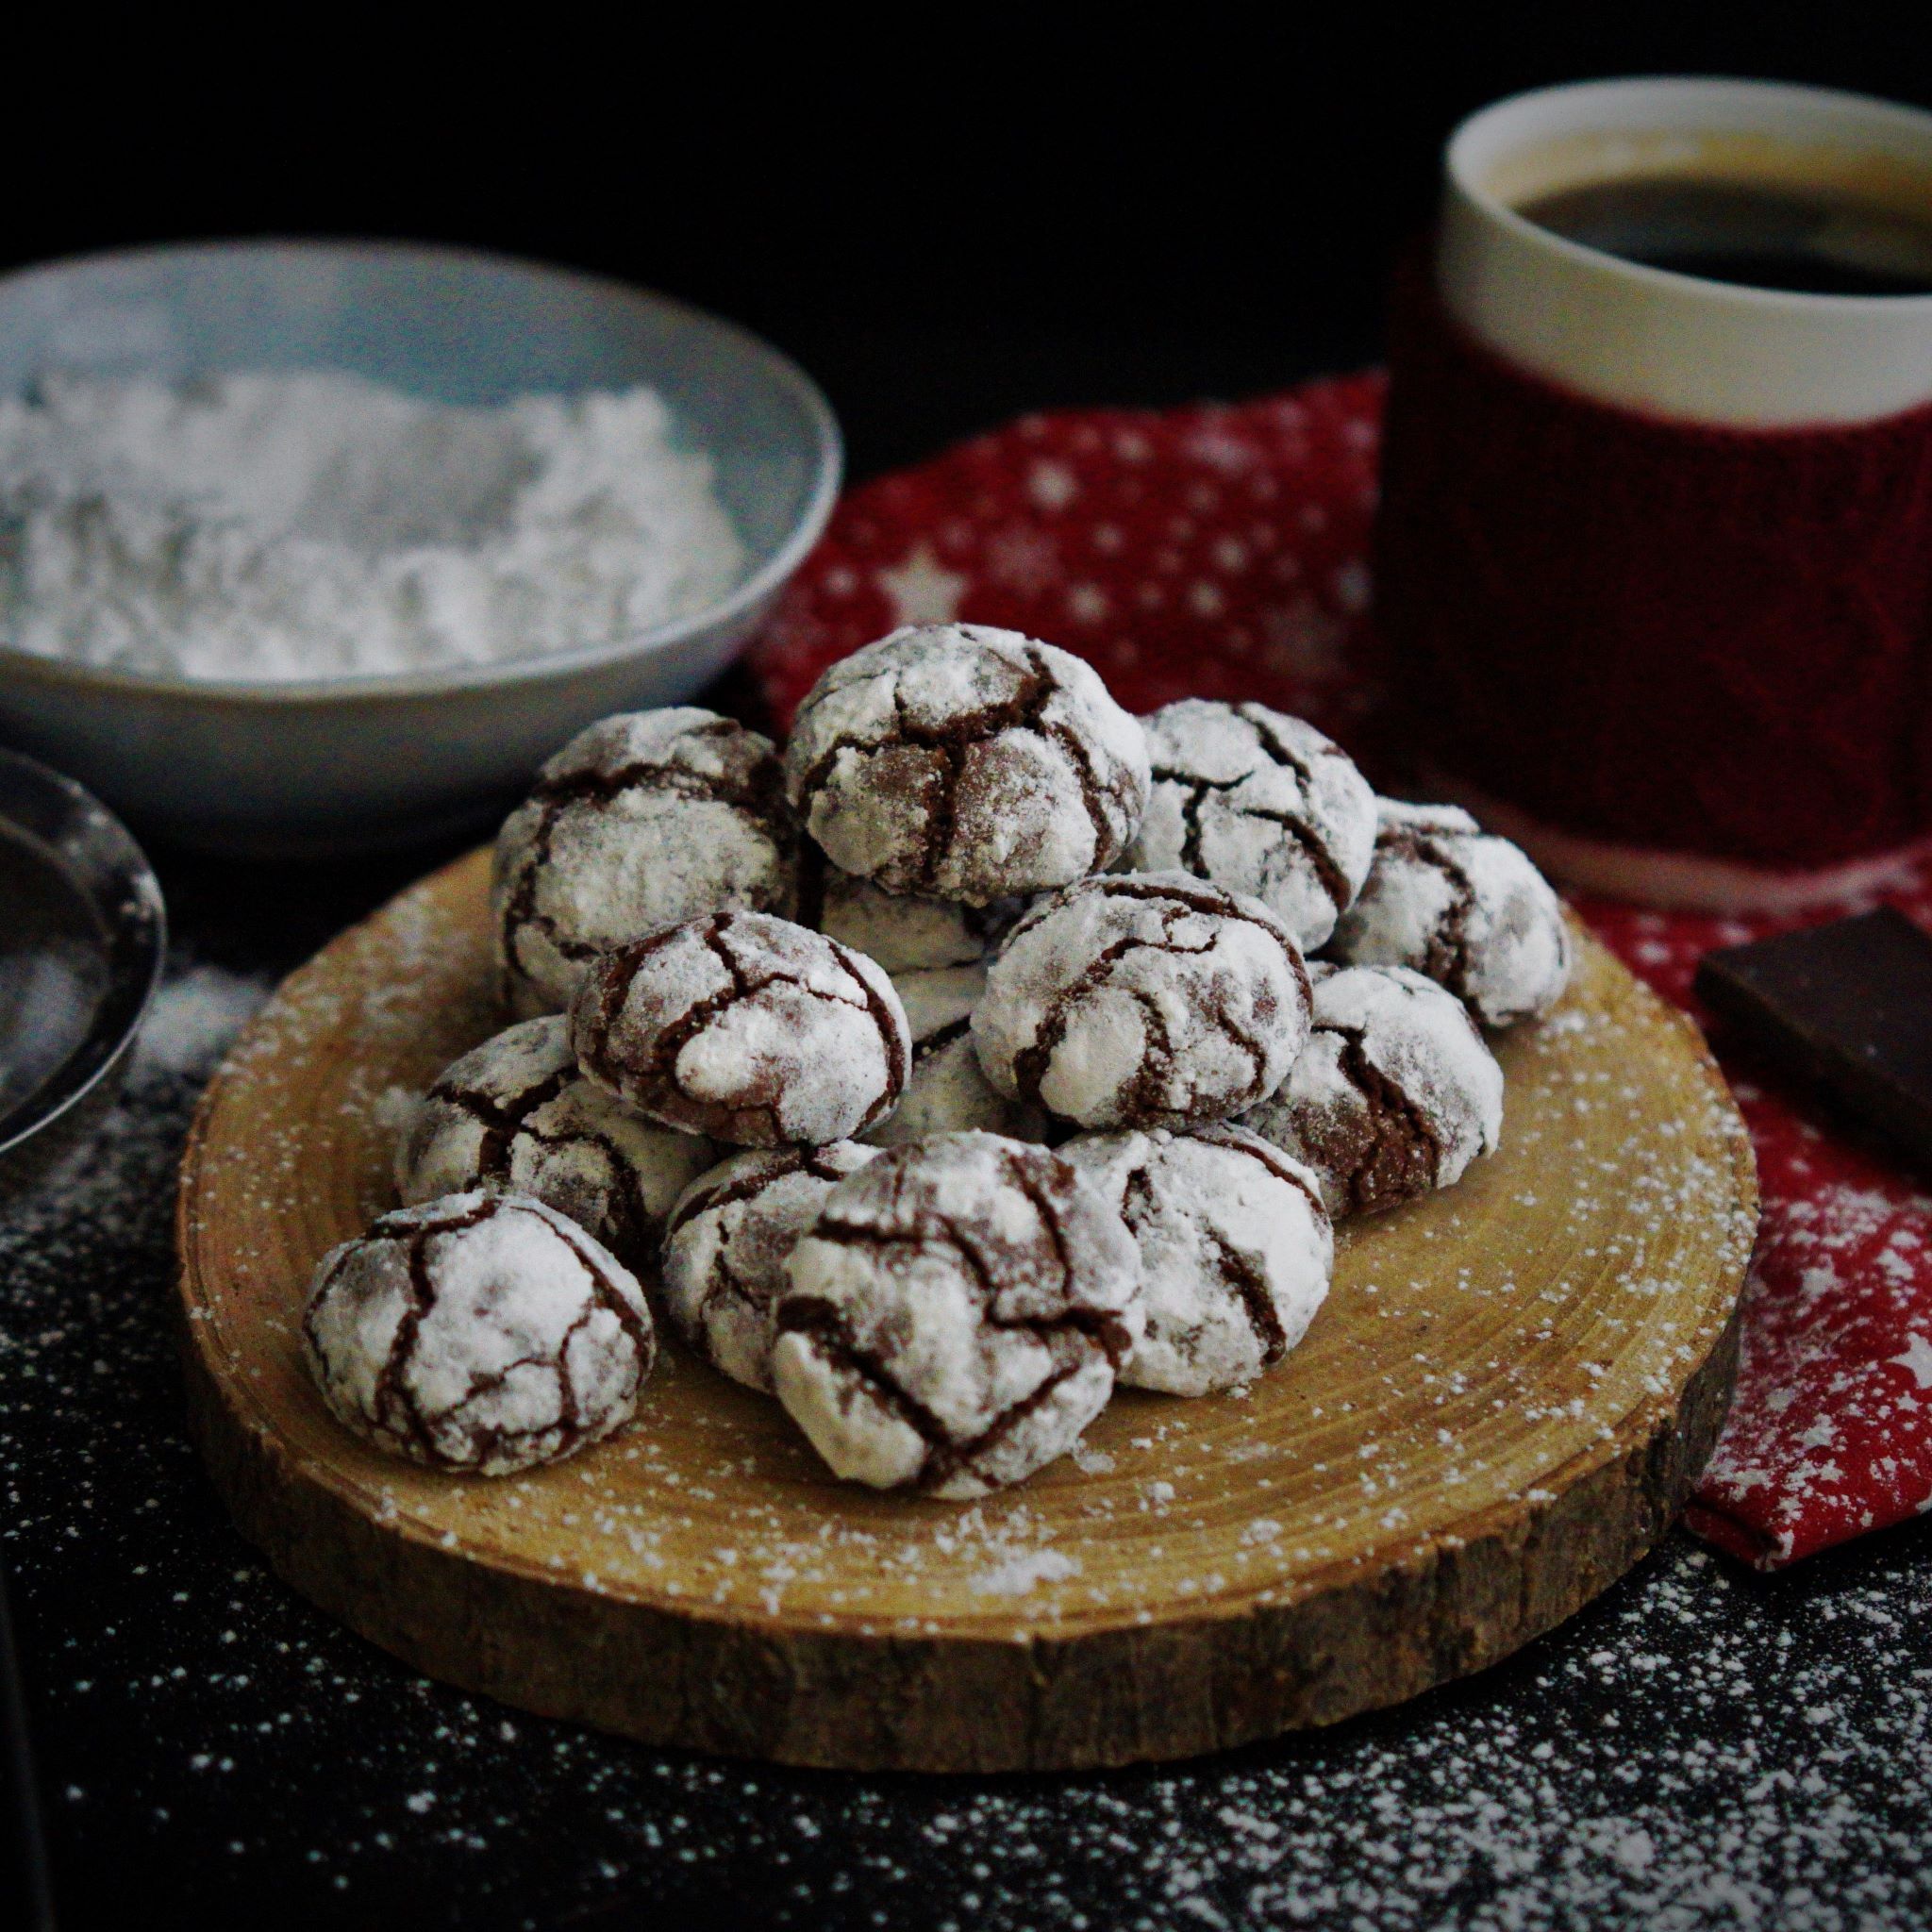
(1846, 1007)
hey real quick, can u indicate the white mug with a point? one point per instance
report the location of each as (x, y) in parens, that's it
(1651, 339)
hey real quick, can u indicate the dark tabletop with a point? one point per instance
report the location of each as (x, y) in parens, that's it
(1702, 1747)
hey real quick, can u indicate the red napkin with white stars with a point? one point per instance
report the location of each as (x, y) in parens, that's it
(1222, 551)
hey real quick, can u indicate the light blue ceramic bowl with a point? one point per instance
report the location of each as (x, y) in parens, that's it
(348, 763)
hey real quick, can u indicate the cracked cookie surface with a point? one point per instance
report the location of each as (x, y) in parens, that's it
(1463, 908)
(1235, 1250)
(746, 1029)
(479, 1332)
(955, 1316)
(1260, 803)
(1395, 1093)
(640, 819)
(516, 1115)
(727, 1242)
(966, 763)
(1143, 999)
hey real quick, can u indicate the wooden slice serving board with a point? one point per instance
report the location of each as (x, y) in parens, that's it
(1498, 1410)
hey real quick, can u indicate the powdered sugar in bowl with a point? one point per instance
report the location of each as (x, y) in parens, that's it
(316, 546)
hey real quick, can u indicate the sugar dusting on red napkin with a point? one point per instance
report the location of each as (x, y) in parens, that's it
(1222, 552)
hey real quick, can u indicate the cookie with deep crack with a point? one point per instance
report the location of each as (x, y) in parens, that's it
(1260, 803)
(966, 763)
(728, 1240)
(945, 1090)
(516, 1116)
(1143, 999)
(1464, 909)
(1395, 1093)
(484, 1333)
(955, 1316)
(641, 821)
(745, 1028)
(1235, 1250)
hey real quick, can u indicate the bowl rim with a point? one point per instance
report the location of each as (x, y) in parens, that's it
(26, 1123)
(754, 589)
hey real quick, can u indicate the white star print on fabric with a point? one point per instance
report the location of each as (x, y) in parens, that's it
(1917, 1358)
(921, 589)
(1052, 486)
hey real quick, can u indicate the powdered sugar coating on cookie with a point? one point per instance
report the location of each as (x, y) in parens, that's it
(1143, 999)
(480, 1332)
(906, 934)
(966, 763)
(641, 820)
(955, 1316)
(1395, 1093)
(1462, 907)
(1260, 803)
(945, 1090)
(516, 1115)
(1235, 1250)
(727, 1242)
(746, 1029)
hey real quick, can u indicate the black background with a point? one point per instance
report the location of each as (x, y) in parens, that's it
(948, 217)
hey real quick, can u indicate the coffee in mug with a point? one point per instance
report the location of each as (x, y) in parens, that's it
(1655, 556)
(1760, 235)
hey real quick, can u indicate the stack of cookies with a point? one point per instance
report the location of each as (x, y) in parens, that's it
(985, 1049)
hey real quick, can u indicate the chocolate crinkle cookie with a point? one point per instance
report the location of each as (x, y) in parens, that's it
(1235, 1250)
(1143, 999)
(1395, 1094)
(945, 1090)
(966, 763)
(955, 1316)
(641, 821)
(745, 1028)
(1463, 908)
(906, 934)
(727, 1243)
(516, 1115)
(1260, 803)
(480, 1332)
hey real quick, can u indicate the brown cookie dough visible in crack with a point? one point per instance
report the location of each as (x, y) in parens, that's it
(727, 1242)
(1235, 1250)
(966, 763)
(955, 1316)
(1143, 999)
(514, 1115)
(480, 1332)
(1395, 1093)
(1462, 907)
(640, 820)
(1260, 803)
(745, 1028)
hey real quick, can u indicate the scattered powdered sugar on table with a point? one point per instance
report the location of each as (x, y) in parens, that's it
(268, 526)
(120, 1181)
(1017, 1575)
(196, 1017)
